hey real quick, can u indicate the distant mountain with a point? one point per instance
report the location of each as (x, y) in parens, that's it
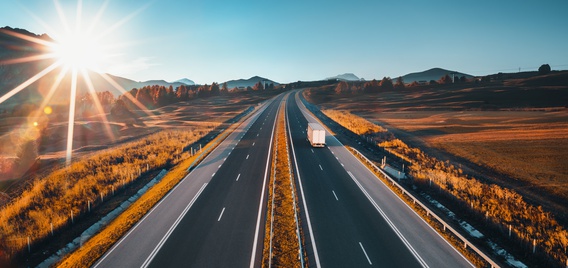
(128, 84)
(249, 82)
(185, 81)
(432, 74)
(344, 77)
(13, 75)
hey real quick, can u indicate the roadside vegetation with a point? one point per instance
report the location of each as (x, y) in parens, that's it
(503, 210)
(55, 201)
(356, 124)
(95, 247)
(281, 242)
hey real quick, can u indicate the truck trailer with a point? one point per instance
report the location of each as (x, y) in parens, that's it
(316, 135)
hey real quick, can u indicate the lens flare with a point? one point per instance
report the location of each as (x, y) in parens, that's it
(75, 51)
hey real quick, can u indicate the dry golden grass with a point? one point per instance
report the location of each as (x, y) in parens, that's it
(95, 247)
(285, 245)
(503, 207)
(91, 132)
(354, 123)
(454, 240)
(68, 191)
(531, 146)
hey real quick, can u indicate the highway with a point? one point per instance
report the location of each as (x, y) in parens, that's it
(350, 218)
(215, 216)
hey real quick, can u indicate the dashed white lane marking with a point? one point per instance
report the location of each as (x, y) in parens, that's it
(335, 195)
(312, 150)
(221, 215)
(321, 167)
(248, 156)
(363, 249)
(238, 177)
(253, 143)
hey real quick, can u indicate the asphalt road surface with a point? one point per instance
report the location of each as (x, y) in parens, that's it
(215, 216)
(350, 218)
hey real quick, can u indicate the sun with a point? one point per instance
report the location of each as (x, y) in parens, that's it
(78, 51)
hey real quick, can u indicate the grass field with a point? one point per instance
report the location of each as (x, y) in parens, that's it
(173, 125)
(525, 145)
(517, 128)
(91, 134)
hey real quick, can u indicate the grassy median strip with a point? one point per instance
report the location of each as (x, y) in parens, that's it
(281, 246)
(95, 247)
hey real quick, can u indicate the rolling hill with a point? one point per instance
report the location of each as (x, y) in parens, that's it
(431, 74)
(240, 83)
(344, 77)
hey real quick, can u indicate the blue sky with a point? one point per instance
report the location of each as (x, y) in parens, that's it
(290, 40)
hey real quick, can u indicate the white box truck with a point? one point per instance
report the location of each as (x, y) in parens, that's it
(316, 135)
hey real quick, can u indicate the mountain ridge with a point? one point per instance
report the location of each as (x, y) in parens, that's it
(344, 77)
(239, 83)
(432, 74)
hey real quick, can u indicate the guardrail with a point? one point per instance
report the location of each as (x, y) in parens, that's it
(428, 211)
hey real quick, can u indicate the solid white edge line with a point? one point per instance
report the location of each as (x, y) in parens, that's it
(254, 245)
(389, 222)
(172, 228)
(306, 114)
(316, 256)
(250, 120)
(365, 252)
(221, 215)
(425, 222)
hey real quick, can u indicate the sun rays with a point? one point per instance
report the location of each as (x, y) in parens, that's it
(75, 51)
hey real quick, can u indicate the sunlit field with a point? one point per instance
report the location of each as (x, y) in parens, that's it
(516, 128)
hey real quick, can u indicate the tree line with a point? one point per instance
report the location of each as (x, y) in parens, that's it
(374, 86)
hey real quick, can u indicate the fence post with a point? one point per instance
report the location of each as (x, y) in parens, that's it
(29, 247)
(72, 221)
(89, 205)
(51, 225)
(534, 246)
